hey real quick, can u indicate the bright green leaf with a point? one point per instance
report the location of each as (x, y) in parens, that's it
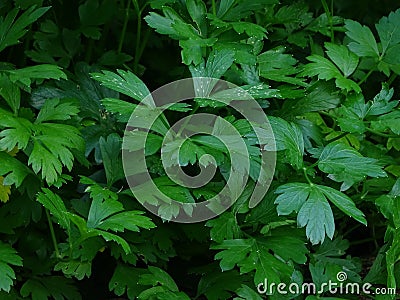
(56, 110)
(124, 82)
(25, 75)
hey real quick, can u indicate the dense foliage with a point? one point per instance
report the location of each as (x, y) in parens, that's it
(72, 72)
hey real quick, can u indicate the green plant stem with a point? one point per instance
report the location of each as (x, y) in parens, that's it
(366, 76)
(337, 137)
(382, 134)
(327, 114)
(312, 166)
(214, 7)
(351, 229)
(194, 110)
(374, 237)
(359, 242)
(89, 51)
(104, 36)
(140, 44)
(27, 45)
(124, 26)
(329, 16)
(143, 43)
(307, 177)
(331, 23)
(333, 117)
(392, 78)
(138, 36)
(53, 235)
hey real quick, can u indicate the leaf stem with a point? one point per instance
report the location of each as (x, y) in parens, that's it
(214, 7)
(327, 114)
(359, 242)
(333, 117)
(342, 135)
(312, 166)
(329, 16)
(194, 110)
(382, 134)
(366, 76)
(124, 26)
(89, 51)
(351, 229)
(331, 23)
(391, 78)
(306, 176)
(52, 233)
(143, 43)
(138, 35)
(374, 237)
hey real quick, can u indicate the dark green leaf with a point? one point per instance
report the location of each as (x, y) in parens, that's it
(277, 66)
(10, 92)
(111, 153)
(389, 30)
(345, 60)
(26, 74)
(344, 203)
(364, 43)
(288, 137)
(325, 69)
(55, 205)
(8, 256)
(49, 287)
(13, 28)
(317, 216)
(56, 110)
(344, 164)
(224, 227)
(389, 121)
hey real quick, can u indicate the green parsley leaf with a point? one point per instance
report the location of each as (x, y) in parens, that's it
(364, 43)
(10, 92)
(389, 121)
(288, 137)
(25, 75)
(345, 60)
(8, 256)
(224, 227)
(344, 164)
(325, 69)
(277, 66)
(255, 254)
(56, 206)
(13, 28)
(56, 110)
(56, 287)
(389, 30)
(124, 82)
(314, 211)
